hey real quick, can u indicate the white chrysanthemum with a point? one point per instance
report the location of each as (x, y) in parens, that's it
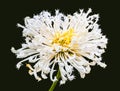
(72, 41)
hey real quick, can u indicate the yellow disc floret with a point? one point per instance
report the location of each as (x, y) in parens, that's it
(64, 38)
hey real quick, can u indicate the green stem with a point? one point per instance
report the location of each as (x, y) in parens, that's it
(55, 83)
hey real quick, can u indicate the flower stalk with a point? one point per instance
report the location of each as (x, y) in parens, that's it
(55, 83)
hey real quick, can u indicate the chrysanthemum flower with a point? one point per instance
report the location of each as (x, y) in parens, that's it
(72, 41)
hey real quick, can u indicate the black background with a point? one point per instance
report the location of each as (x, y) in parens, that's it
(13, 12)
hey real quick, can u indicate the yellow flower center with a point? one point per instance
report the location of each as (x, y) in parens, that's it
(64, 38)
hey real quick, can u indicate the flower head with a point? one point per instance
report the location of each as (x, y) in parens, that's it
(72, 41)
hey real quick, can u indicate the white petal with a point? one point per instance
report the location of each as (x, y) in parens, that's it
(102, 64)
(13, 50)
(51, 73)
(82, 75)
(36, 76)
(62, 82)
(19, 65)
(43, 75)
